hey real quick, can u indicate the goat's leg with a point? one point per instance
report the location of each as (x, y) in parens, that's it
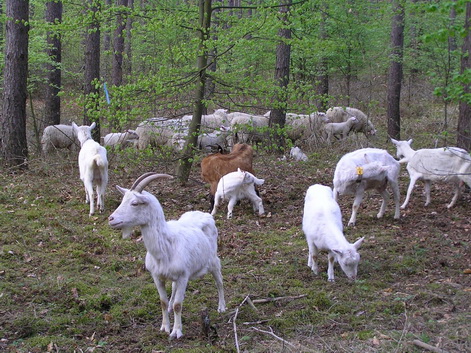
(257, 203)
(89, 197)
(215, 205)
(178, 296)
(172, 298)
(457, 195)
(230, 207)
(330, 269)
(160, 284)
(385, 196)
(409, 192)
(216, 272)
(396, 197)
(313, 257)
(356, 204)
(427, 192)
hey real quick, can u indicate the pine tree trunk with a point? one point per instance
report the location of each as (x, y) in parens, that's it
(283, 55)
(464, 119)
(395, 71)
(92, 69)
(52, 102)
(118, 44)
(13, 143)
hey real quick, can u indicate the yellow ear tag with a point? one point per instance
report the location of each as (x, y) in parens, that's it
(359, 170)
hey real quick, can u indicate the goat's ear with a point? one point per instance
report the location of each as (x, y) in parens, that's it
(74, 125)
(409, 142)
(121, 190)
(394, 141)
(358, 243)
(92, 126)
(338, 252)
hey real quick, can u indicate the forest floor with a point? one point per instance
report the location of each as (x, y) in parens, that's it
(69, 283)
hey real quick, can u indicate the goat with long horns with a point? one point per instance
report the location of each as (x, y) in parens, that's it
(178, 251)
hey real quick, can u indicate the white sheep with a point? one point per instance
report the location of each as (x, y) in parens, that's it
(57, 137)
(236, 186)
(209, 141)
(298, 155)
(363, 123)
(445, 164)
(123, 139)
(93, 166)
(247, 128)
(158, 132)
(339, 129)
(365, 169)
(177, 251)
(322, 226)
(305, 128)
(215, 120)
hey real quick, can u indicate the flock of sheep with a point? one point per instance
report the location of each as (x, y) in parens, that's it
(221, 130)
(185, 249)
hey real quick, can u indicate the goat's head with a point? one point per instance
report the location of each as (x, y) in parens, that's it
(349, 259)
(83, 132)
(401, 147)
(134, 210)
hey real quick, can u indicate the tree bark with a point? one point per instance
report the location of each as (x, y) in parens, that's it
(127, 43)
(92, 69)
(185, 163)
(282, 71)
(118, 43)
(464, 119)
(13, 143)
(395, 71)
(54, 76)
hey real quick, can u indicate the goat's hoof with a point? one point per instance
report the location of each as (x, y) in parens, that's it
(331, 280)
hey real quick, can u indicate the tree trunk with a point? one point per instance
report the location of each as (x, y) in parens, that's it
(127, 43)
(395, 71)
(283, 54)
(54, 51)
(118, 44)
(464, 119)
(13, 143)
(184, 167)
(92, 69)
(107, 52)
(322, 84)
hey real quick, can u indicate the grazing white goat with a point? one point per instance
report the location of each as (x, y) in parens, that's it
(322, 225)
(178, 251)
(365, 169)
(93, 165)
(123, 139)
(236, 186)
(445, 164)
(58, 136)
(339, 129)
(297, 154)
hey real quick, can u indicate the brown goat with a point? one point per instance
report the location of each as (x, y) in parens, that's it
(216, 165)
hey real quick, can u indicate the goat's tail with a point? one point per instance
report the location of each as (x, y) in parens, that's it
(258, 181)
(99, 161)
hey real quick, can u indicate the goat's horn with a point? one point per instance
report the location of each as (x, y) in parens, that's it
(138, 180)
(147, 179)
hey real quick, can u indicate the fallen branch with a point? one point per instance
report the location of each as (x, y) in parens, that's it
(235, 325)
(428, 347)
(273, 334)
(268, 300)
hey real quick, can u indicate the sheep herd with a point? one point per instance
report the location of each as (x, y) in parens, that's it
(185, 249)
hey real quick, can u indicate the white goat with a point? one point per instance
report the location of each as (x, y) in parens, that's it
(58, 136)
(363, 123)
(306, 128)
(365, 169)
(123, 139)
(322, 225)
(93, 165)
(236, 186)
(298, 155)
(445, 164)
(339, 129)
(178, 251)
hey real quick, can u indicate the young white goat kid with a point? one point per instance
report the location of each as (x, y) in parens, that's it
(365, 169)
(322, 225)
(178, 251)
(446, 164)
(236, 186)
(93, 165)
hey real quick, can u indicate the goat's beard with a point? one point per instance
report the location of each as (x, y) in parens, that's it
(127, 232)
